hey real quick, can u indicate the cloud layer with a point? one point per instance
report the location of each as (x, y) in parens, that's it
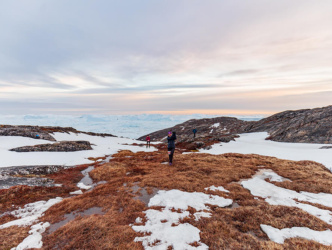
(156, 56)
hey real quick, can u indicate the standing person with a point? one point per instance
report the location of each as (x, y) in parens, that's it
(194, 131)
(171, 146)
(148, 139)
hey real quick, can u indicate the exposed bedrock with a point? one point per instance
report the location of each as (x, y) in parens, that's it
(25, 131)
(63, 146)
(32, 170)
(45, 132)
(209, 131)
(305, 126)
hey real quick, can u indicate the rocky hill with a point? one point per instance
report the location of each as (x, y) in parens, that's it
(209, 131)
(308, 125)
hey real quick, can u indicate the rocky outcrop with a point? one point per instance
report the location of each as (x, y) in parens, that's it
(306, 126)
(45, 133)
(10, 181)
(214, 128)
(50, 129)
(34, 132)
(29, 175)
(32, 170)
(64, 146)
(209, 131)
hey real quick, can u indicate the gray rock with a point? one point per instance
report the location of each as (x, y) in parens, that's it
(208, 148)
(28, 175)
(226, 138)
(32, 170)
(64, 146)
(9, 181)
(199, 144)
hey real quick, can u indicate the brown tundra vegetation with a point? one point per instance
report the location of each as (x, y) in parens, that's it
(119, 201)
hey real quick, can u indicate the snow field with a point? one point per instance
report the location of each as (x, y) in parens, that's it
(255, 143)
(101, 146)
(159, 223)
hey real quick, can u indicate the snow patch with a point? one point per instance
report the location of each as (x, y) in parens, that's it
(182, 200)
(279, 235)
(275, 195)
(138, 220)
(34, 240)
(220, 188)
(216, 125)
(269, 174)
(199, 215)
(30, 213)
(76, 192)
(163, 226)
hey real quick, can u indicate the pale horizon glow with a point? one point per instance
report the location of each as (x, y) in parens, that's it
(175, 57)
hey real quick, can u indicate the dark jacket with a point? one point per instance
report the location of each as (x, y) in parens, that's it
(171, 141)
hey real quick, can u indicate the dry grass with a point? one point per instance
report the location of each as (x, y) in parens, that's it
(93, 232)
(12, 236)
(18, 196)
(305, 175)
(237, 228)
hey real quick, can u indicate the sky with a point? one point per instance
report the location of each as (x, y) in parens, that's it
(242, 57)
